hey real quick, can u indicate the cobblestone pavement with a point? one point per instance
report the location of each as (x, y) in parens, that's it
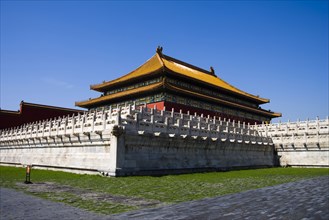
(306, 199)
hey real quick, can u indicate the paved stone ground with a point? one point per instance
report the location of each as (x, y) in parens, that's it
(18, 206)
(306, 199)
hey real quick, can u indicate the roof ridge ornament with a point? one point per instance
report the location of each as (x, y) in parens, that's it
(159, 50)
(212, 71)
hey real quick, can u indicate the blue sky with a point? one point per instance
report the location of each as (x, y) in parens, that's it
(51, 51)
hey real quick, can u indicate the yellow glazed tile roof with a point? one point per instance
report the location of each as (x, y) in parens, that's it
(160, 61)
(105, 98)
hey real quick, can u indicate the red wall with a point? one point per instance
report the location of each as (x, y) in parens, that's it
(158, 105)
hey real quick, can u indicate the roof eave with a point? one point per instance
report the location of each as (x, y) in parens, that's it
(258, 100)
(264, 112)
(107, 98)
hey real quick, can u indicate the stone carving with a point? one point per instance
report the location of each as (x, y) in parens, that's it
(117, 130)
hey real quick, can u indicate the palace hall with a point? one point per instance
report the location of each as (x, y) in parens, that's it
(166, 83)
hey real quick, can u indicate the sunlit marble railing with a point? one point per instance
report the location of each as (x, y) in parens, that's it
(136, 119)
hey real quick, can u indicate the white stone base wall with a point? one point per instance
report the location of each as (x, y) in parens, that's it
(80, 155)
(314, 154)
(138, 154)
(150, 154)
(304, 158)
(132, 141)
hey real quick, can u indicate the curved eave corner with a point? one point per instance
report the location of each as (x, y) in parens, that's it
(276, 114)
(150, 66)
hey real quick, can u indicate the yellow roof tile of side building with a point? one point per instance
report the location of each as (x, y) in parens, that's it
(162, 62)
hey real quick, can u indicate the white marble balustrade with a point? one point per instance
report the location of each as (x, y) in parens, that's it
(300, 143)
(142, 120)
(299, 133)
(294, 128)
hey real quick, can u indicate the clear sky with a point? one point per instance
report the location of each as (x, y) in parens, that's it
(52, 51)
